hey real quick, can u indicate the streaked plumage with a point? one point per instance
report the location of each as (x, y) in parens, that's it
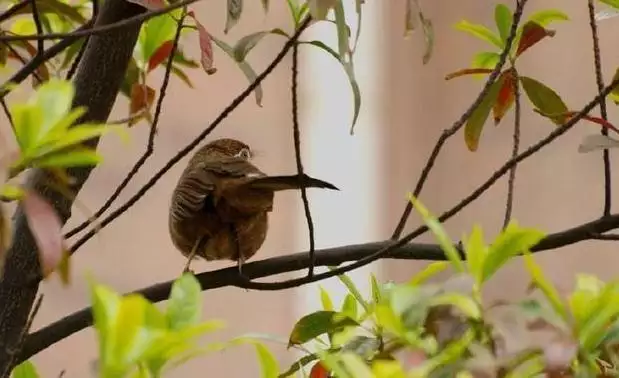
(222, 201)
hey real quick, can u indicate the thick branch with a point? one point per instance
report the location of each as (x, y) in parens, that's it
(97, 83)
(63, 328)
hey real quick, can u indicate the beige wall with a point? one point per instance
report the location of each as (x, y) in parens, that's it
(413, 104)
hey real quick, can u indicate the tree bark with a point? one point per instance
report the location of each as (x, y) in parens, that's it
(97, 83)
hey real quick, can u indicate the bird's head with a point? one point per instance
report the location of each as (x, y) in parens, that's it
(230, 147)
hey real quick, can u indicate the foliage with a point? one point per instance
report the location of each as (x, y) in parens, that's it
(411, 329)
(447, 329)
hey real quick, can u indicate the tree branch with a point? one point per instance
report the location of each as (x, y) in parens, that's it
(63, 328)
(96, 84)
(194, 143)
(448, 133)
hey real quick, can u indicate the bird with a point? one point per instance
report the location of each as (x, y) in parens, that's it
(220, 204)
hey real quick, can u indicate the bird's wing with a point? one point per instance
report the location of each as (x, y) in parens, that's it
(207, 177)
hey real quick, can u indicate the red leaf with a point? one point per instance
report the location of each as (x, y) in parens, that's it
(46, 229)
(505, 98)
(161, 54)
(149, 4)
(600, 121)
(468, 71)
(142, 97)
(532, 32)
(319, 371)
(206, 46)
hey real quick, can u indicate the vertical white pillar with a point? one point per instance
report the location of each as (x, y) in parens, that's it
(351, 162)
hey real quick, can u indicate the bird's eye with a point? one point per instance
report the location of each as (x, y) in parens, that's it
(244, 154)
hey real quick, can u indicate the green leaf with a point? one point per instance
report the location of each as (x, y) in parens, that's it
(268, 363)
(54, 98)
(388, 319)
(64, 124)
(182, 75)
(25, 370)
(105, 307)
(512, 241)
(480, 31)
(76, 135)
(376, 294)
(351, 79)
(464, 303)
(319, 9)
(234, 9)
(352, 288)
(139, 324)
(318, 323)
(475, 123)
(593, 331)
(355, 365)
(388, 369)
(439, 233)
(545, 286)
(298, 364)
(247, 43)
(349, 307)
(486, 59)
(429, 271)
(504, 19)
(27, 120)
(154, 33)
(75, 157)
(325, 299)
(544, 98)
(185, 305)
(55, 7)
(612, 3)
(332, 363)
(11, 192)
(343, 35)
(583, 299)
(250, 74)
(547, 16)
(476, 252)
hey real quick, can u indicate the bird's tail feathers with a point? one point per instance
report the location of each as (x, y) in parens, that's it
(277, 183)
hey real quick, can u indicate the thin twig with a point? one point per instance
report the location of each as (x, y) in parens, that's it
(36, 19)
(34, 63)
(297, 154)
(449, 213)
(23, 60)
(447, 133)
(80, 54)
(515, 147)
(13, 10)
(7, 112)
(597, 59)
(25, 332)
(89, 31)
(70, 324)
(188, 148)
(150, 144)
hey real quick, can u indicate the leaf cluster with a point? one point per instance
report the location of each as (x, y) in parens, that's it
(447, 329)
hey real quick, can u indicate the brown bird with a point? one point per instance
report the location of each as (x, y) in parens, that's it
(220, 204)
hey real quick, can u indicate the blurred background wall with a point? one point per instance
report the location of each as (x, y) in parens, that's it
(406, 105)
